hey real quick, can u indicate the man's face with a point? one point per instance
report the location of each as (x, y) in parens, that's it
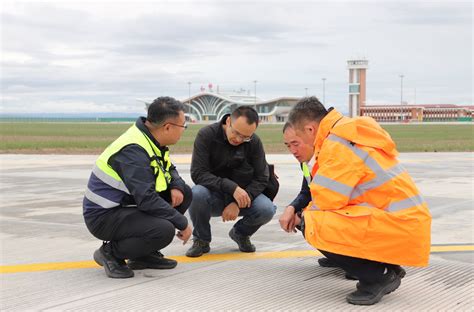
(238, 130)
(307, 132)
(175, 128)
(302, 151)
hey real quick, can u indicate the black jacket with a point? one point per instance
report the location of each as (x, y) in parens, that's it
(132, 164)
(221, 167)
(303, 198)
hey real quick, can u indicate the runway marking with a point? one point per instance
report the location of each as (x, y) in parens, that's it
(55, 266)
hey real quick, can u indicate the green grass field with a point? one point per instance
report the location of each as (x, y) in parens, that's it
(92, 138)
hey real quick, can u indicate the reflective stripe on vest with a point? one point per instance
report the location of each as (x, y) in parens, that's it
(306, 172)
(99, 200)
(108, 176)
(381, 176)
(109, 180)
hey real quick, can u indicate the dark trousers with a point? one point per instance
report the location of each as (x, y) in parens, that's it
(367, 271)
(207, 204)
(132, 233)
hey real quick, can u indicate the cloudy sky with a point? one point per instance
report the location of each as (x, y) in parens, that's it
(101, 56)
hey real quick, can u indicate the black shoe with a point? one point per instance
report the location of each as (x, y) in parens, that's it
(396, 268)
(155, 260)
(399, 271)
(350, 277)
(327, 263)
(368, 294)
(114, 268)
(198, 248)
(243, 241)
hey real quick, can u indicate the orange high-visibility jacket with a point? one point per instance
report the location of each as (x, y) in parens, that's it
(365, 204)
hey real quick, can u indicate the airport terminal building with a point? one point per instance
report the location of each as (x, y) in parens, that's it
(211, 106)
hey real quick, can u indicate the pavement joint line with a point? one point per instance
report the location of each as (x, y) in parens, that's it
(55, 266)
(187, 161)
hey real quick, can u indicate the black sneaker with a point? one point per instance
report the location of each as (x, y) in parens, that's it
(399, 271)
(243, 241)
(350, 277)
(155, 260)
(368, 294)
(396, 268)
(198, 248)
(114, 267)
(327, 263)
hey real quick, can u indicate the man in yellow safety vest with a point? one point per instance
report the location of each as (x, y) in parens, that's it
(135, 198)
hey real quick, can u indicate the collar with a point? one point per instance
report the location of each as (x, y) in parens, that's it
(221, 128)
(140, 124)
(325, 126)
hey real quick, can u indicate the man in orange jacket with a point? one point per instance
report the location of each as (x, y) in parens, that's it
(366, 213)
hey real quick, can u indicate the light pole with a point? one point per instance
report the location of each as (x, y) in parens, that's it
(306, 91)
(189, 92)
(401, 97)
(324, 90)
(255, 93)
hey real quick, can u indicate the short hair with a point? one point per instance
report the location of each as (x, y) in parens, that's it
(286, 126)
(309, 109)
(248, 111)
(164, 108)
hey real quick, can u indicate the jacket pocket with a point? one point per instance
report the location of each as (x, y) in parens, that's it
(347, 226)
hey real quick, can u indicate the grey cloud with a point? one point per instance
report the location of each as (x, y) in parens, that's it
(432, 13)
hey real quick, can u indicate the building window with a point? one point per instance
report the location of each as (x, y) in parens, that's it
(354, 88)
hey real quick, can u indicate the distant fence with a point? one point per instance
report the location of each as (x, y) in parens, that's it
(65, 119)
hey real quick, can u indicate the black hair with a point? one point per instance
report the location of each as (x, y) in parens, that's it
(248, 111)
(308, 108)
(287, 125)
(164, 108)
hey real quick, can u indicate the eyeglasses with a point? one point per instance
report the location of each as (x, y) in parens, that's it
(243, 138)
(185, 126)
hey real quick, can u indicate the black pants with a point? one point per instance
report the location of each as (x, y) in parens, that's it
(132, 233)
(367, 271)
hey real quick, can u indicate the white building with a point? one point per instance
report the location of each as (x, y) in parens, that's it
(210, 106)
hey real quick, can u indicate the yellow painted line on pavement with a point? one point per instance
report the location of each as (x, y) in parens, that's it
(55, 266)
(451, 248)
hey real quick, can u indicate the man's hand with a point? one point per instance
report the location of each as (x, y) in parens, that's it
(288, 220)
(176, 197)
(185, 234)
(231, 212)
(242, 198)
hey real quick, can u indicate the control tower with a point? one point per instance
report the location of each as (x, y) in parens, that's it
(357, 85)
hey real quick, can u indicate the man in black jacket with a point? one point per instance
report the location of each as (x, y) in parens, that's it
(135, 199)
(230, 172)
(290, 218)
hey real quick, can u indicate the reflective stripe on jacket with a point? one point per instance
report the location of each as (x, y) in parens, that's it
(365, 203)
(106, 188)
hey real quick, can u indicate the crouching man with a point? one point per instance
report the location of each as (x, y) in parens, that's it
(135, 199)
(231, 174)
(366, 214)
